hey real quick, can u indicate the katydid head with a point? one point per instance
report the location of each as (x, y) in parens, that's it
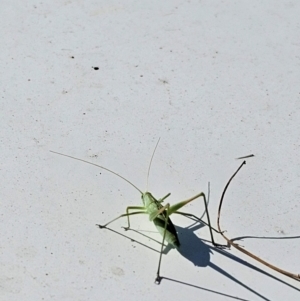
(147, 198)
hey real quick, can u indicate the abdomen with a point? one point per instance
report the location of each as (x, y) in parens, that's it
(171, 234)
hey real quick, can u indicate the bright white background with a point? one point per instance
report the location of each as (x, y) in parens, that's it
(214, 79)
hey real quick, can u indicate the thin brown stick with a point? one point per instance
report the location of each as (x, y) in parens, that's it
(245, 157)
(231, 243)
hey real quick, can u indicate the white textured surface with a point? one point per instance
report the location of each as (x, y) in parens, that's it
(215, 80)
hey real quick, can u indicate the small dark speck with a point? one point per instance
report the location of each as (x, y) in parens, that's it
(46, 274)
(72, 57)
(141, 75)
(163, 81)
(95, 68)
(83, 113)
(29, 79)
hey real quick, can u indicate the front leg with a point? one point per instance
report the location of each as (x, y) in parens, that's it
(125, 214)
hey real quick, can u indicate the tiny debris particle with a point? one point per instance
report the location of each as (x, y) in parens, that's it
(117, 271)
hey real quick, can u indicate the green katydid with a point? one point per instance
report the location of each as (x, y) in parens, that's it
(158, 213)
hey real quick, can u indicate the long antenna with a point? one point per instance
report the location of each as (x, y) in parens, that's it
(100, 167)
(151, 162)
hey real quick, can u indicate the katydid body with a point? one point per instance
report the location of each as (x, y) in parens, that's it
(162, 223)
(158, 213)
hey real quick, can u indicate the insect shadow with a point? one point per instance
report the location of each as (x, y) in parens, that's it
(199, 251)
